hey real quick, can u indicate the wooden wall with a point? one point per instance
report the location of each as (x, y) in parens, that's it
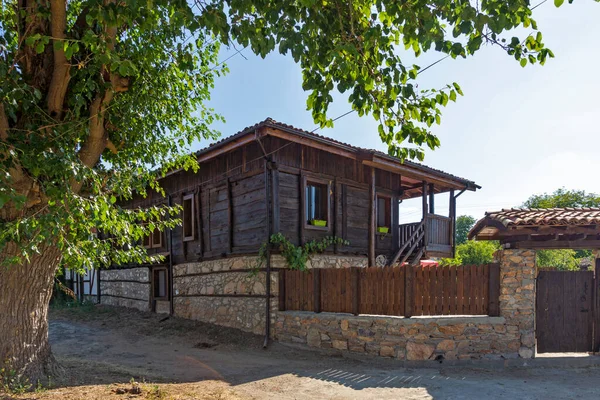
(349, 182)
(230, 201)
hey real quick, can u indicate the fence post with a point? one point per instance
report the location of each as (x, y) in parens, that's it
(494, 290)
(355, 290)
(281, 289)
(317, 289)
(408, 290)
(596, 306)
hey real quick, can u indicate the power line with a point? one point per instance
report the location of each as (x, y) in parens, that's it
(419, 72)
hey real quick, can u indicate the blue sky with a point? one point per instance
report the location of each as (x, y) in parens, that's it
(516, 132)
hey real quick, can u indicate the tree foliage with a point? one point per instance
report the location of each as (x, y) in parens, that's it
(473, 252)
(563, 259)
(562, 198)
(94, 93)
(464, 223)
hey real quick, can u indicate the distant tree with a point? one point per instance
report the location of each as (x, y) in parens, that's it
(561, 198)
(473, 252)
(464, 223)
(563, 259)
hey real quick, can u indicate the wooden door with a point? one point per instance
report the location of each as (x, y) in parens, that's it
(564, 311)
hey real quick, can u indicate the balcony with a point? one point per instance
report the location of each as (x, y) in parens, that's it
(431, 237)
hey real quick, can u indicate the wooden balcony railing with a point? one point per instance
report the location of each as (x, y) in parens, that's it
(437, 239)
(438, 235)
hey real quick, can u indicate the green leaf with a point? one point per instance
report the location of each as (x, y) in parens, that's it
(523, 62)
(558, 3)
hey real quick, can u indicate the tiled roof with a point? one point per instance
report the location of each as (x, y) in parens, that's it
(546, 216)
(269, 122)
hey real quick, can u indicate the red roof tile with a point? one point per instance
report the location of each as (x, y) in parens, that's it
(546, 216)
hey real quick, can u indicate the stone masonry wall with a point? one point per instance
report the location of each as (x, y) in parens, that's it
(225, 292)
(511, 335)
(411, 339)
(126, 288)
(517, 296)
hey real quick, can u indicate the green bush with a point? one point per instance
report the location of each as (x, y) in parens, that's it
(473, 252)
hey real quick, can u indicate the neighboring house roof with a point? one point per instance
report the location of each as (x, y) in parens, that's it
(546, 216)
(539, 223)
(362, 152)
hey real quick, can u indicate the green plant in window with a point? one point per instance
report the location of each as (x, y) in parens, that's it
(296, 257)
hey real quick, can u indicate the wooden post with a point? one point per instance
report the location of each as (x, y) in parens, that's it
(424, 196)
(317, 289)
(395, 204)
(336, 204)
(494, 290)
(199, 230)
(452, 215)
(281, 289)
(372, 221)
(431, 200)
(229, 216)
(355, 282)
(275, 195)
(409, 273)
(596, 306)
(303, 215)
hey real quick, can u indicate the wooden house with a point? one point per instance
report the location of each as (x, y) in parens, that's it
(313, 187)
(272, 177)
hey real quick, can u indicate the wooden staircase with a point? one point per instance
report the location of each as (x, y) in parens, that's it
(413, 247)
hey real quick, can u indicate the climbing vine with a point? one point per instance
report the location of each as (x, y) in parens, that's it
(297, 256)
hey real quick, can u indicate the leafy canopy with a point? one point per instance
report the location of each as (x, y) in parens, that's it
(562, 198)
(94, 94)
(464, 223)
(563, 259)
(473, 252)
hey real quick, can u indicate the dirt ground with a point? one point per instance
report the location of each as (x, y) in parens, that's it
(102, 349)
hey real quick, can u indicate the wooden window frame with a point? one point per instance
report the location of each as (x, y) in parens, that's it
(388, 210)
(159, 234)
(326, 183)
(188, 216)
(167, 286)
(147, 240)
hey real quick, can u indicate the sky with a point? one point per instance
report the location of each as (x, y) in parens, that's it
(516, 131)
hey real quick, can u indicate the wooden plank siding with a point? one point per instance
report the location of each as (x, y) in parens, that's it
(400, 291)
(229, 201)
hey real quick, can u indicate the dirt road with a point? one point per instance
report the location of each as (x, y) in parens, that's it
(115, 345)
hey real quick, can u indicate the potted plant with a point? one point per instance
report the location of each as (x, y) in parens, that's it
(318, 222)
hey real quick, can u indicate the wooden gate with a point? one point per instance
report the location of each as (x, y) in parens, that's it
(565, 311)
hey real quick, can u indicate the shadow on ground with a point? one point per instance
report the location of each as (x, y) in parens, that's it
(108, 345)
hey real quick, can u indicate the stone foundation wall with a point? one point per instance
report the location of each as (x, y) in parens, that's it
(411, 339)
(226, 292)
(126, 288)
(511, 335)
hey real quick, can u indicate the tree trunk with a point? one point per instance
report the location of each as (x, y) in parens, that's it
(25, 292)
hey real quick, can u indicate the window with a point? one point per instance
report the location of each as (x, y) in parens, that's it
(147, 241)
(188, 218)
(160, 283)
(316, 204)
(384, 212)
(157, 237)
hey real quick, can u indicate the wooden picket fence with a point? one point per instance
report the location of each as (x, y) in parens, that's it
(401, 291)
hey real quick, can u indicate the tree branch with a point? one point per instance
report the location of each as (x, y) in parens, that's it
(61, 72)
(3, 124)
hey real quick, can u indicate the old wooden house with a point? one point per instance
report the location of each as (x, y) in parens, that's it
(272, 177)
